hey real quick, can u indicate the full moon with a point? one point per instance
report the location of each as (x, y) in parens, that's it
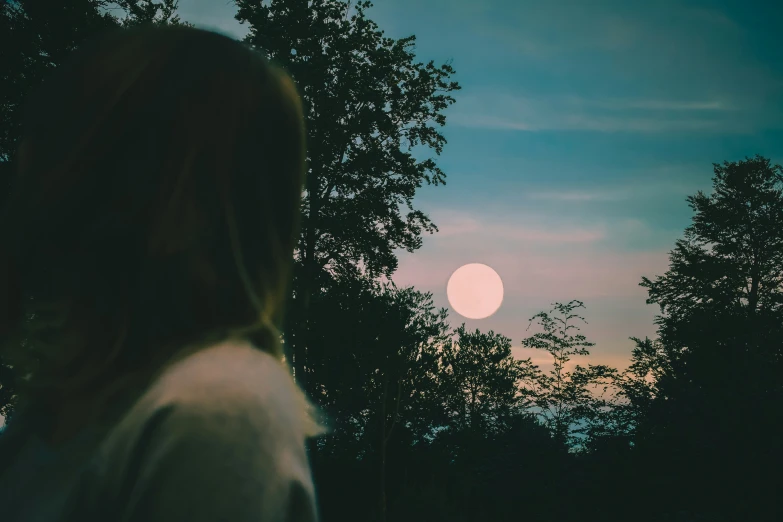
(475, 291)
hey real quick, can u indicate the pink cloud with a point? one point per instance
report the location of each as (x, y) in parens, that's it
(537, 357)
(457, 224)
(463, 225)
(544, 236)
(545, 361)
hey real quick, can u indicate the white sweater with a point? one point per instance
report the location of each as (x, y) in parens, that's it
(220, 436)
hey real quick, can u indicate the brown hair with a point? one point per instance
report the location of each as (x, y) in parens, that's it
(156, 207)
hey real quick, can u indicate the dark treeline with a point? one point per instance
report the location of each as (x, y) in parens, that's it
(429, 421)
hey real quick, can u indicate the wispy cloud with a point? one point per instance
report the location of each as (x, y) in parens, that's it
(575, 196)
(548, 232)
(503, 111)
(656, 105)
(546, 363)
(532, 235)
(641, 67)
(613, 193)
(456, 224)
(464, 224)
(536, 356)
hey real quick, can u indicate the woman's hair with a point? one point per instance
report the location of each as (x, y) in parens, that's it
(156, 206)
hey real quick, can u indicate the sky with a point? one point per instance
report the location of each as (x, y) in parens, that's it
(580, 129)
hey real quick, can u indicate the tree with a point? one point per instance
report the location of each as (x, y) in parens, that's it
(479, 379)
(39, 35)
(721, 300)
(564, 399)
(637, 388)
(717, 409)
(410, 332)
(377, 373)
(731, 257)
(479, 390)
(145, 12)
(368, 106)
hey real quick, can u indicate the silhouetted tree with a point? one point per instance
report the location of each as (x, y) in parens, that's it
(368, 104)
(479, 385)
(37, 35)
(479, 380)
(718, 402)
(638, 387)
(566, 400)
(377, 374)
(142, 12)
(409, 333)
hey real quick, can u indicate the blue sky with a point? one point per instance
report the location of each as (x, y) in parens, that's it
(580, 129)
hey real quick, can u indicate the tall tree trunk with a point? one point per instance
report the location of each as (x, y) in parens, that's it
(305, 289)
(475, 422)
(382, 467)
(385, 436)
(302, 338)
(753, 295)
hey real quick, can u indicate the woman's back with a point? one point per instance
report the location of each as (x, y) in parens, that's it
(218, 436)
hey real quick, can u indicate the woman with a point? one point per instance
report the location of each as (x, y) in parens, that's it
(149, 238)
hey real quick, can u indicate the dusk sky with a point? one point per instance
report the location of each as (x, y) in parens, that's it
(580, 129)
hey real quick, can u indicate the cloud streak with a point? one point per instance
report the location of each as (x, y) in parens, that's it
(461, 224)
(613, 193)
(655, 105)
(503, 111)
(647, 68)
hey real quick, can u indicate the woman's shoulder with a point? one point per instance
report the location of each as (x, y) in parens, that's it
(227, 395)
(231, 378)
(225, 413)
(229, 371)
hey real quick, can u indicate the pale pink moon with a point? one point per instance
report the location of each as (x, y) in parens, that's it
(475, 291)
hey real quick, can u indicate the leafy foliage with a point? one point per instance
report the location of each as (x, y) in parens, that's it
(38, 35)
(565, 399)
(480, 380)
(721, 341)
(368, 105)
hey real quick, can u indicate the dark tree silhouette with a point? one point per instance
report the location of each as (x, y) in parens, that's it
(368, 104)
(717, 407)
(571, 402)
(37, 35)
(638, 387)
(377, 377)
(480, 379)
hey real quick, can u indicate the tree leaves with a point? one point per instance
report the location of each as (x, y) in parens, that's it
(368, 105)
(709, 389)
(566, 401)
(479, 380)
